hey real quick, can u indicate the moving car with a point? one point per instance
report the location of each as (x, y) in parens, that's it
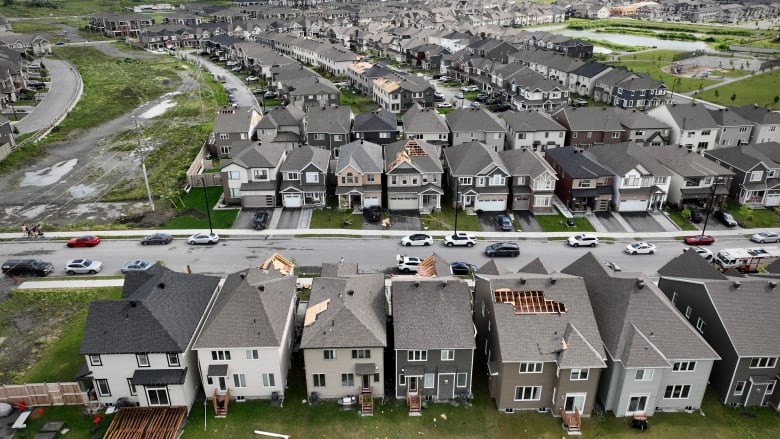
(460, 238)
(503, 223)
(703, 252)
(83, 266)
(157, 238)
(700, 240)
(443, 105)
(408, 264)
(763, 237)
(725, 218)
(23, 267)
(583, 240)
(417, 239)
(372, 214)
(83, 241)
(462, 268)
(136, 265)
(203, 238)
(261, 220)
(641, 247)
(502, 249)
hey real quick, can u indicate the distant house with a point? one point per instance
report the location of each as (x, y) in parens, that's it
(533, 92)
(583, 183)
(532, 181)
(757, 172)
(477, 177)
(397, 92)
(304, 177)
(694, 179)
(734, 128)
(589, 126)
(426, 124)
(358, 175)
(414, 176)
(328, 128)
(766, 123)
(306, 93)
(283, 125)
(380, 126)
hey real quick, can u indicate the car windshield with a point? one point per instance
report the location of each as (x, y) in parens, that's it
(87, 262)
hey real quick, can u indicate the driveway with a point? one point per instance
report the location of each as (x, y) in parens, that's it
(641, 222)
(405, 220)
(609, 222)
(289, 219)
(527, 221)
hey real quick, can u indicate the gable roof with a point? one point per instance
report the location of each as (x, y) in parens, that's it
(424, 120)
(416, 153)
(301, 157)
(473, 119)
(375, 121)
(336, 120)
(362, 155)
(472, 158)
(576, 163)
(530, 121)
(525, 162)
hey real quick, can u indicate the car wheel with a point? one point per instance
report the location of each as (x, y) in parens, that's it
(593, 245)
(427, 244)
(634, 252)
(517, 254)
(144, 242)
(92, 271)
(408, 244)
(405, 270)
(70, 245)
(90, 245)
(576, 245)
(190, 242)
(449, 244)
(71, 272)
(652, 252)
(470, 244)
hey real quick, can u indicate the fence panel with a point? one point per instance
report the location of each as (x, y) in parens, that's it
(43, 394)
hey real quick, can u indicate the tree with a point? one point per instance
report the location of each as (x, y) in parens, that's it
(717, 93)
(777, 98)
(733, 97)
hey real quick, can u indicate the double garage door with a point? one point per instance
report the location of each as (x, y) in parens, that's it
(402, 202)
(632, 206)
(491, 205)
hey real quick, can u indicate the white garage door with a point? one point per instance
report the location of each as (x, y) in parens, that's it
(370, 201)
(490, 205)
(402, 203)
(772, 200)
(292, 200)
(632, 205)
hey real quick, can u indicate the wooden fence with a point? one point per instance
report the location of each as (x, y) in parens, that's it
(196, 172)
(43, 394)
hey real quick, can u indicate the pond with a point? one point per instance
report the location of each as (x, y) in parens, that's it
(635, 40)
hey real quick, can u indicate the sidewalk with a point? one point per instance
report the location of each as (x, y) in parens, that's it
(75, 283)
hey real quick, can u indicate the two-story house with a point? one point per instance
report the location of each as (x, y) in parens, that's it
(694, 179)
(328, 128)
(140, 347)
(397, 92)
(250, 176)
(476, 125)
(532, 181)
(477, 178)
(246, 343)
(283, 125)
(756, 170)
(691, 125)
(583, 78)
(656, 360)
(538, 336)
(582, 183)
(734, 129)
(737, 317)
(380, 126)
(358, 175)
(642, 129)
(625, 89)
(533, 130)
(304, 177)
(766, 123)
(413, 173)
(426, 124)
(589, 126)
(533, 92)
(433, 339)
(231, 125)
(311, 92)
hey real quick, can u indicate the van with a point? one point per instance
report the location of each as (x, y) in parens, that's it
(23, 267)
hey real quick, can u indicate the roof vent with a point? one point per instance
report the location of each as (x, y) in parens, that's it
(242, 275)
(737, 284)
(640, 283)
(351, 293)
(132, 304)
(261, 288)
(161, 285)
(772, 284)
(522, 280)
(553, 280)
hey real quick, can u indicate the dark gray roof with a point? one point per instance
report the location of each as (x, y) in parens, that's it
(473, 119)
(759, 115)
(637, 120)
(217, 370)
(361, 155)
(332, 120)
(530, 121)
(690, 265)
(424, 120)
(159, 315)
(536, 266)
(375, 121)
(492, 267)
(727, 118)
(432, 314)
(745, 157)
(525, 162)
(689, 116)
(256, 155)
(576, 164)
(234, 119)
(341, 269)
(300, 158)
(601, 119)
(472, 158)
(685, 163)
(590, 69)
(625, 156)
(158, 377)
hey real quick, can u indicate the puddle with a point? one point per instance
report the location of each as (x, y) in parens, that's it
(50, 175)
(82, 190)
(160, 108)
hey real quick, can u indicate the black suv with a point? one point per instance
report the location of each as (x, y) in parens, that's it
(502, 249)
(372, 214)
(261, 219)
(22, 267)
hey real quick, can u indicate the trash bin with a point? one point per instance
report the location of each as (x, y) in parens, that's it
(570, 222)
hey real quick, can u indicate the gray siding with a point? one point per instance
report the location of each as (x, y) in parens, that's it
(343, 363)
(461, 364)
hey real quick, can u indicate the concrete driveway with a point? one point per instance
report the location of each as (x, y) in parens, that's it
(641, 222)
(405, 220)
(289, 219)
(609, 222)
(527, 221)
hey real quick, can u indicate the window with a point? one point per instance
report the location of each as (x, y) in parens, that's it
(329, 354)
(319, 379)
(429, 380)
(674, 298)
(370, 178)
(157, 396)
(338, 137)
(376, 378)
(462, 379)
(95, 360)
(578, 375)
(590, 134)
(528, 393)
(235, 192)
(319, 136)
(520, 136)
(631, 180)
(770, 389)
(234, 175)
(173, 359)
(224, 136)
(401, 380)
(679, 391)
(384, 135)
(259, 174)
(531, 367)
(616, 134)
(684, 366)
(497, 180)
(102, 387)
(131, 386)
(763, 362)
(252, 354)
(361, 353)
(312, 177)
(448, 354)
(644, 375)
(292, 176)
(142, 360)
(584, 183)
(224, 149)
(220, 355)
(659, 180)
(268, 380)
(347, 379)
(239, 380)
(480, 181)
(700, 325)
(688, 310)
(574, 135)
(740, 388)
(417, 355)
(464, 181)
(756, 175)
(705, 132)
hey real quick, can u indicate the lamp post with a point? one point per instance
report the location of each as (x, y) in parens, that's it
(457, 201)
(206, 198)
(718, 181)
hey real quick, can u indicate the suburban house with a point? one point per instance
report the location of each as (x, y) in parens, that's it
(310, 92)
(362, 74)
(756, 170)
(304, 177)
(397, 92)
(344, 339)
(380, 126)
(476, 125)
(245, 345)
(695, 179)
(583, 78)
(642, 129)
(251, 176)
(538, 336)
(734, 129)
(413, 175)
(433, 339)
(533, 92)
(766, 123)
(358, 175)
(583, 184)
(283, 124)
(691, 125)
(736, 315)
(139, 349)
(426, 124)
(656, 360)
(477, 178)
(640, 182)
(533, 130)
(531, 181)
(232, 124)
(328, 128)
(7, 139)
(625, 89)
(589, 126)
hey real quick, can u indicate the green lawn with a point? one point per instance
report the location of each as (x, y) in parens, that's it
(329, 218)
(445, 220)
(759, 89)
(557, 223)
(61, 8)
(656, 55)
(358, 102)
(193, 214)
(683, 223)
(754, 218)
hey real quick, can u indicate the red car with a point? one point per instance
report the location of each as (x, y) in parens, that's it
(700, 240)
(84, 241)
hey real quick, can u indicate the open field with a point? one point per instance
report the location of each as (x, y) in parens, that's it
(61, 8)
(653, 61)
(761, 89)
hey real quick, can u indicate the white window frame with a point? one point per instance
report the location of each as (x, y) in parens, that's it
(99, 387)
(328, 354)
(579, 374)
(318, 380)
(95, 360)
(700, 325)
(361, 354)
(239, 380)
(763, 362)
(688, 311)
(402, 380)
(739, 388)
(260, 174)
(536, 393)
(465, 378)
(429, 380)
(175, 357)
(770, 388)
(531, 367)
(683, 391)
(684, 366)
(312, 177)
(756, 175)
(143, 360)
(348, 379)
(465, 181)
(448, 355)
(646, 375)
(417, 355)
(220, 355)
(252, 354)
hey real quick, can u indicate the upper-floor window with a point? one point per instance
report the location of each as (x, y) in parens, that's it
(417, 355)
(644, 375)
(292, 176)
(348, 179)
(220, 355)
(370, 178)
(756, 175)
(260, 174)
(447, 354)
(338, 137)
(616, 134)
(763, 362)
(142, 360)
(319, 136)
(329, 354)
(234, 175)
(684, 366)
(531, 367)
(361, 353)
(659, 180)
(543, 185)
(578, 374)
(384, 135)
(464, 181)
(705, 132)
(173, 359)
(497, 180)
(743, 129)
(700, 325)
(584, 183)
(312, 177)
(631, 180)
(480, 181)
(224, 136)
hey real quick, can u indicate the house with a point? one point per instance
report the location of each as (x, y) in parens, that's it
(358, 175)
(283, 124)
(413, 175)
(306, 93)
(737, 318)
(656, 360)
(380, 126)
(476, 125)
(344, 338)
(433, 339)
(642, 129)
(328, 128)
(304, 177)
(691, 125)
(426, 124)
(532, 181)
(245, 345)
(734, 128)
(397, 92)
(756, 170)
(625, 89)
(589, 126)
(477, 178)
(251, 176)
(232, 124)
(7, 139)
(582, 80)
(533, 130)
(362, 74)
(583, 184)
(139, 348)
(534, 92)
(538, 336)
(695, 180)
(766, 123)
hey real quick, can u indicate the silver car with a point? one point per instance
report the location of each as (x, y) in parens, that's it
(763, 237)
(83, 266)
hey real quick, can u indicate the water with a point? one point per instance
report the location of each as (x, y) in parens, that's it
(634, 40)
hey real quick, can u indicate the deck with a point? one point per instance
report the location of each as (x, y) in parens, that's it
(147, 423)
(571, 422)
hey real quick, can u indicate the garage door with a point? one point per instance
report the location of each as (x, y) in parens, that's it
(491, 205)
(632, 205)
(402, 203)
(370, 201)
(255, 201)
(292, 200)
(772, 200)
(521, 203)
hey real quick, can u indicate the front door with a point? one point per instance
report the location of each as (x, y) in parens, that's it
(366, 380)
(636, 404)
(574, 401)
(413, 389)
(222, 384)
(468, 201)
(446, 386)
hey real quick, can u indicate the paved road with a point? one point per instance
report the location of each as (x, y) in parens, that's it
(64, 92)
(240, 89)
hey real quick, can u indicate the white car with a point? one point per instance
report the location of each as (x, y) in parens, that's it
(83, 266)
(438, 95)
(203, 238)
(251, 78)
(459, 95)
(640, 248)
(460, 238)
(763, 237)
(417, 239)
(443, 105)
(408, 264)
(583, 240)
(703, 252)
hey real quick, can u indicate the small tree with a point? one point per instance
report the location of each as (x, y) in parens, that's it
(686, 213)
(733, 97)
(777, 98)
(717, 93)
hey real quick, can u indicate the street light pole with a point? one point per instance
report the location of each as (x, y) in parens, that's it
(457, 200)
(143, 164)
(712, 203)
(206, 198)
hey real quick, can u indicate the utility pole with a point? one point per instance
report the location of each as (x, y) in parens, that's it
(143, 163)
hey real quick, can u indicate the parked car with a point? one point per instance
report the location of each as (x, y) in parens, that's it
(83, 266)
(475, 104)
(465, 88)
(203, 238)
(579, 102)
(462, 268)
(259, 91)
(157, 238)
(408, 264)
(24, 267)
(372, 214)
(583, 240)
(270, 94)
(251, 78)
(83, 241)
(696, 216)
(438, 95)
(136, 265)
(641, 247)
(444, 78)
(459, 95)
(725, 218)
(703, 252)
(762, 237)
(503, 223)
(499, 108)
(502, 249)
(417, 239)
(482, 97)
(261, 220)
(699, 240)
(443, 105)
(459, 239)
